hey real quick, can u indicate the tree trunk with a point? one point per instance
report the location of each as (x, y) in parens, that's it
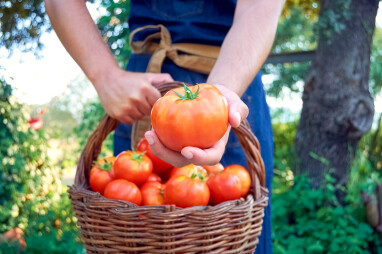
(337, 106)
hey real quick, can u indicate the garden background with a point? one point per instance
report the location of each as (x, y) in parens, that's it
(338, 152)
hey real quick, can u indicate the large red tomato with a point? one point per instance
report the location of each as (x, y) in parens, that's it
(152, 193)
(133, 166)
(189, 170)
(243, 175)
(123, 190)
(184, 191)
(159, 165)
(101, 174)
(190, 116)
(223, 187)
(214, 169)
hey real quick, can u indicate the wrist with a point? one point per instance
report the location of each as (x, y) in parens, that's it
(102, 71)
(232, 87)
(102, 77)
(235, 85)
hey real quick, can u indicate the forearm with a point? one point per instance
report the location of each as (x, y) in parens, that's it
(79, 35)
(247, 44)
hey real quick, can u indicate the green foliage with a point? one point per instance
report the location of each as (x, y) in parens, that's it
(31, 194)
(52, 230)
(371, 145)
(22, 23)
(91, 117)
(332, 19)
(114, 27)
(298, 30)
(288, 77)
(307, 220)
(367, 167)
(294, 33)
(376, 63)
(24, 168)
(62, 116)
(284, 158)
(310, 8)
(56, 229)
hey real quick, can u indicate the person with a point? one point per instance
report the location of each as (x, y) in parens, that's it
(245, 31)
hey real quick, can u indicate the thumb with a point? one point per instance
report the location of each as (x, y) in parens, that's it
(238, 111)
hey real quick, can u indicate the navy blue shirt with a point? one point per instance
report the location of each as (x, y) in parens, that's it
(197, 21)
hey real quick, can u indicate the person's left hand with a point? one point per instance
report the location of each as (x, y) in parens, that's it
(210, 156)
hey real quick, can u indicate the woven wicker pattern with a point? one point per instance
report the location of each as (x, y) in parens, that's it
(113, 226)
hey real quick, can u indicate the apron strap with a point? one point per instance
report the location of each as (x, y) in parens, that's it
(196, 57)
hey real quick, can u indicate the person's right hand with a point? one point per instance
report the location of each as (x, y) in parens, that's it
(129, 96)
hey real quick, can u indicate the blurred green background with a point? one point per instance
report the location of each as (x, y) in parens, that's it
(37, 165)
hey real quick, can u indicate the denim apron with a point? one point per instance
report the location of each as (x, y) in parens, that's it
(203, 22)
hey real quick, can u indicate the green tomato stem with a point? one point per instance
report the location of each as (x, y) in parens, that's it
(106, 166)
(137, 157)
(188, 94)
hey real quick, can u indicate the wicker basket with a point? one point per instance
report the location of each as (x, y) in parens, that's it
(113, 226)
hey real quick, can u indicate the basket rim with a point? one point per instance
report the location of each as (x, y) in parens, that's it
(122, 204)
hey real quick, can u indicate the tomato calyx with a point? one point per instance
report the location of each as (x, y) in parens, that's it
(106, 166)
(137, 157)
(200, 176)
(188, 94)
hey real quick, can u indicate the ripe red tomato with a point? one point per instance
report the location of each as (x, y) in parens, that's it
(159, 165)
(224, 186)
(184, 191)
(152, 193)
(154, 178)
(123, 190)
(214, 169)
(190, 116)
(101, 174)
(133, 166)
(243, 175)
(188, 170)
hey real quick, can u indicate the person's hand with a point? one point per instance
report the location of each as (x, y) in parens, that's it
(210, 156)
(129, 96)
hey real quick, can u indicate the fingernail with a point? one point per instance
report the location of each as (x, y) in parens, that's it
(188, 155)
(150, 140)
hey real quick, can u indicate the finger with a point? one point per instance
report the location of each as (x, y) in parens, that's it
(159, 78)
(144, 107)
(174, 158)
(122, 117)
(135, 114)
(126, 120)
(130, 112)
(237, 111)
(141, 110)
(209, 156)
(152, 96)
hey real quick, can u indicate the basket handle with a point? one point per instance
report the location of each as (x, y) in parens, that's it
(247, 139)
